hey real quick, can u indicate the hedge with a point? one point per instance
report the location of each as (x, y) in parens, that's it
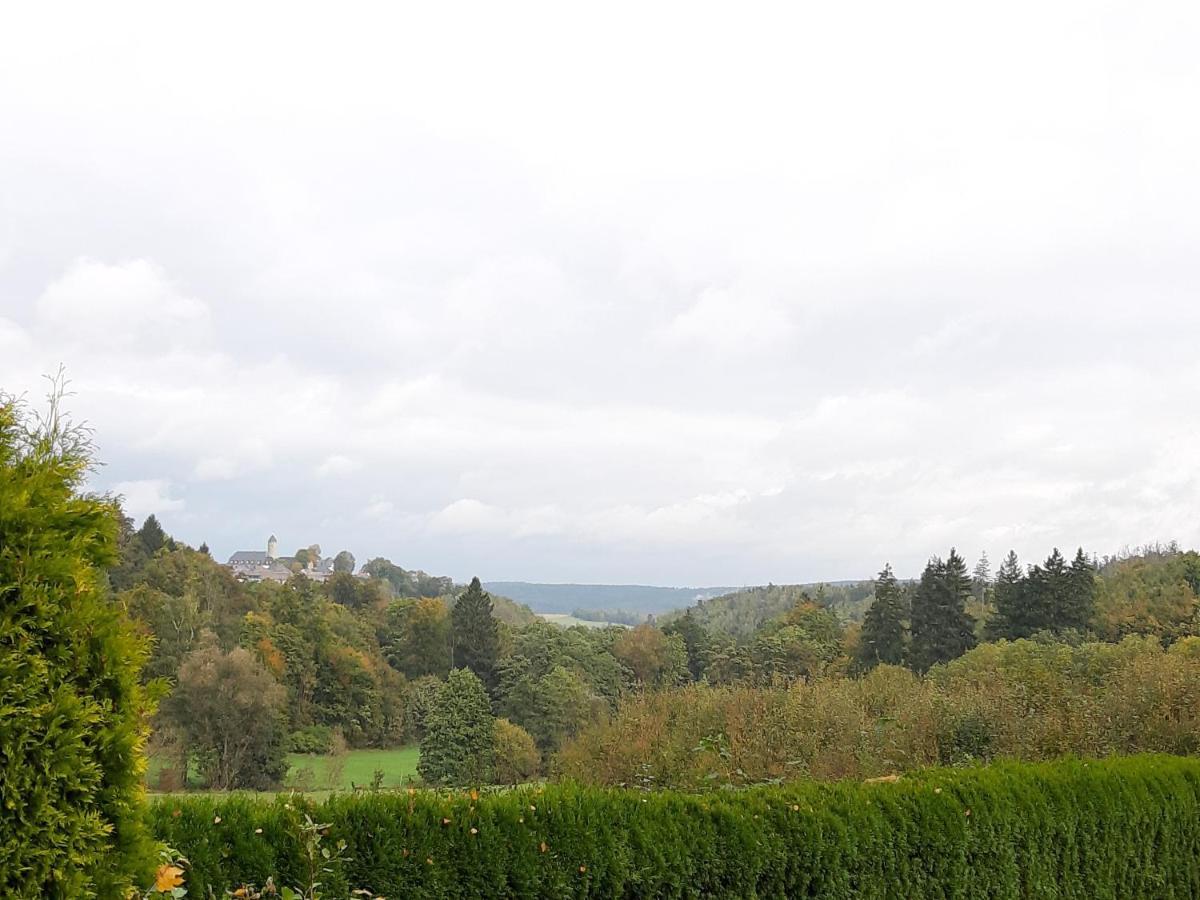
(1116, 828)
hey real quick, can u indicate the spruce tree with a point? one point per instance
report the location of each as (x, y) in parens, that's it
(1081, 593)
(152, 535)
(941, 628)
(458, 748)
(1008, 619)
(981, 583)
(882, 636)
(474, 634)
(1045, 597)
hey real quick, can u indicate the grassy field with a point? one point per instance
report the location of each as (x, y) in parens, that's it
(321, 774)
(357, 767)
(567, 621)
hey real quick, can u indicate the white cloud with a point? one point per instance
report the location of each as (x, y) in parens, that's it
(669, 333)
(731, 321)
(120, 303)
(378, 508)
(335, 465)
(151, 495)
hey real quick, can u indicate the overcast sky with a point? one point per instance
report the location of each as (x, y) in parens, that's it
(671, 294)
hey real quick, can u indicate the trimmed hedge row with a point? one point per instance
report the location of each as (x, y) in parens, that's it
(1118, 828)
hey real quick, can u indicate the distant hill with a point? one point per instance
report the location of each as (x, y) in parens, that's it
(635, 598)
(739, 614)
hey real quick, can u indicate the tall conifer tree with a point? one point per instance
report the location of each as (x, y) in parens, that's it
(1081, 593)
(941, 628)
(1008, 619)
(882, 637)
(474, 634)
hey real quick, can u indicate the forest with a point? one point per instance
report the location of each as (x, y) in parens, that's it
(250, 672)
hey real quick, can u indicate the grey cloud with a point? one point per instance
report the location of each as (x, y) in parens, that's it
(773, 298)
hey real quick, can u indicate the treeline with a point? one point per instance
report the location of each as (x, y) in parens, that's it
(253, 671)
(492, 692)
(1024, 700)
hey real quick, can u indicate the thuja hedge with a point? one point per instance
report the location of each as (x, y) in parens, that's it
(1117, 828)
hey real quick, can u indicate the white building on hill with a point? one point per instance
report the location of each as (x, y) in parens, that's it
(255, 565)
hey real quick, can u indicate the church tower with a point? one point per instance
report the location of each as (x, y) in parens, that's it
(272, 548)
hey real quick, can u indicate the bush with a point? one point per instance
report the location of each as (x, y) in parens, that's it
(1122, 828)
(517, 755)
(72, 710)
(1008, 700)
(313, 739)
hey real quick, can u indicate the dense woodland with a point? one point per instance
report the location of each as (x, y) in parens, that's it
(493, 693)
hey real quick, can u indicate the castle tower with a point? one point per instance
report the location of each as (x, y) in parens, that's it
(272, 548)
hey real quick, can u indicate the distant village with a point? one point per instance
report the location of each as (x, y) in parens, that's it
(268, 565)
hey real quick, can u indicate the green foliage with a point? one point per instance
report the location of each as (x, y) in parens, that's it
(741, 614)
(73, 711)
(882, 639)
(474, 634)
(941, 628)
(802, 643)
(655, 658)
(459, 743)
(517, 756)
(1123, 829)
(230, 714)
(1154, 592)
(408, 584)
(311, 739)
(1022, 700)
(415, 637)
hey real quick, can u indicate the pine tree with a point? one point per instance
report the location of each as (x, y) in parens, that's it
(982, 581)
(941, 628)
(1081, 593)
(152, 535)
(1008, 619)
(882, 636)
(458, 748)
(1045, 597)
(474, 634)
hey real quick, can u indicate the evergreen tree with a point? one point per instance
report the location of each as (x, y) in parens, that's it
(1081, 593)
(474, 634)
(152, 535)
(73, 713)
(1008, 619)
(981, 583)
(1045, 597)
(941, 628)
(458, 748)
(882, 637)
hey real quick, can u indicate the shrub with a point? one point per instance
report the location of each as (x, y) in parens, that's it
(458, 747)
(313, 739)
(72, 710)
(1121, 828)
(517, 755)
(1017, 700)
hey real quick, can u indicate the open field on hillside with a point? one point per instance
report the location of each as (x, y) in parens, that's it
(566, 621)
(358, 767)
(311, 773)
